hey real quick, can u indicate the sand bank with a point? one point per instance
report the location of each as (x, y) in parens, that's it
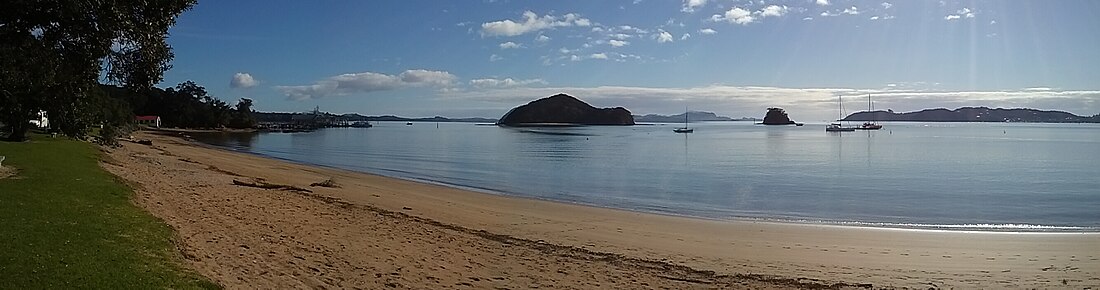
(376, 231)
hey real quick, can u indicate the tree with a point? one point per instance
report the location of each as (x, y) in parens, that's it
(52, 54)
(242, 115)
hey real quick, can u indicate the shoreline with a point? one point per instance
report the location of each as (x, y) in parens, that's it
(880, 256)
(965, 228)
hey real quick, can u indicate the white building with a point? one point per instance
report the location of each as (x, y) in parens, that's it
(42, 121)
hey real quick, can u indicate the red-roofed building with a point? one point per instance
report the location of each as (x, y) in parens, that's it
(151, 121)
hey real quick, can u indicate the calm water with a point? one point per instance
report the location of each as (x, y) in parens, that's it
(936, 175)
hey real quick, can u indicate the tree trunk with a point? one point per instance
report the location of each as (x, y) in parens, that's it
(18, 131)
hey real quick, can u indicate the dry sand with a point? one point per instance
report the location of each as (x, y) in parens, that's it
(377, 232)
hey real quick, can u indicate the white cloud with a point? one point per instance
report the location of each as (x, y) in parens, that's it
(598, 56)
(242, 81)
(690, 5)
(685, 36)
(735, 15)
(542, 38)
(991, 22)
(531, 22)
(887, 5)
(628, 28)
(851, 11)
(495, 57)
(773, 10)
(807, 18)
(822, 2)
(961, 13)
(510, 44)
(620, 36)
(965, 12)
(707, 31)
(664, 36)
(874, 17)
(574, 58)
(617, 43)
(504, 83)
(367, 82)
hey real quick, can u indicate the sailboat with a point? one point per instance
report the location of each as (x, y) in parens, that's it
(836, 127)
(685, 129)
(870, 125)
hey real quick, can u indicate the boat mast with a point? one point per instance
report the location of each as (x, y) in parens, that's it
(685, 117)
(840, 103)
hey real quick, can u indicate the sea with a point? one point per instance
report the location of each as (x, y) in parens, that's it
(942, 176)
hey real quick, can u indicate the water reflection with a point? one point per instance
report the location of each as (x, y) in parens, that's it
(235, 140)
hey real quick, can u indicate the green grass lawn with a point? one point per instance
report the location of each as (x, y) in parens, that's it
(67, 223)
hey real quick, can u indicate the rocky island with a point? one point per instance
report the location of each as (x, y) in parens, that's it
(776, 116)
(563, 109)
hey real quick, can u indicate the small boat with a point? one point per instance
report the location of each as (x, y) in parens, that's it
(869, 126)
(361, 124)
(836, 127)
(409, 124)
(685, 129)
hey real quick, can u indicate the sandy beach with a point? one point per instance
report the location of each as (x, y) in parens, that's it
(376, 232)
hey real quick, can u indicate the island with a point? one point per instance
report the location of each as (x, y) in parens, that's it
(975, 114)
(776, 116)
(563, 109)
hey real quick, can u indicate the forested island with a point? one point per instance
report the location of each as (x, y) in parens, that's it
(562, 109)
(975, 114)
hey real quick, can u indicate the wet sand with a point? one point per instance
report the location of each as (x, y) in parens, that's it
(377, 232)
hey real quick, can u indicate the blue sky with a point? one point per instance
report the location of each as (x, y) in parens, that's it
(735, 58)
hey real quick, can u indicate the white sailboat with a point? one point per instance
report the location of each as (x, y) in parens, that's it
(871, 125)
(836, 127)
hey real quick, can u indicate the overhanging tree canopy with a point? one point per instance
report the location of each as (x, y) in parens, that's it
(53, 53)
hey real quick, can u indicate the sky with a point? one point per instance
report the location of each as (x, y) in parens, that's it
(736, 58)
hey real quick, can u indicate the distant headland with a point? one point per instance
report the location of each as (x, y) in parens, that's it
(693, 116)
(354, 117)
(975, 114)
(563, 109)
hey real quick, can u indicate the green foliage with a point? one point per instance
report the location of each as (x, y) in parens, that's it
(185, 106)
(52, 54)
(67, 223)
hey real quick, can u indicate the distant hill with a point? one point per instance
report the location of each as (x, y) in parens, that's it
(693, 116)
(357, 117)
(285, 117)
(975, 114)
